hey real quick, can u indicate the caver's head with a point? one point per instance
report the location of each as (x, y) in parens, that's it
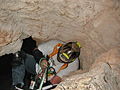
(68, 52)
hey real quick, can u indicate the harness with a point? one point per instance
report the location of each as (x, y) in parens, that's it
(49, 71)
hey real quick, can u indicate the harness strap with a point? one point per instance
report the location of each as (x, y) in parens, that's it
(55, 51)
(62, 67)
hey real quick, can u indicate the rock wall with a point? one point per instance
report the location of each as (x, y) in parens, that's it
(96, 24)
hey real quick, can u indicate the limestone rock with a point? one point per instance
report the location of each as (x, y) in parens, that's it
(100, 78)
(95, 23)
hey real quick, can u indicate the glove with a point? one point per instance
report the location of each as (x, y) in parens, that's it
(43, 64)
(56, 80)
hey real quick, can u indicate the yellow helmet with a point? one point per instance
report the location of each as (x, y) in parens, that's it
(68, 52)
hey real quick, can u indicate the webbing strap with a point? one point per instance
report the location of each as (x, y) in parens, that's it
(62, 67)
(55, 50)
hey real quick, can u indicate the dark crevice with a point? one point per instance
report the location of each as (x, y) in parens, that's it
(5, 72)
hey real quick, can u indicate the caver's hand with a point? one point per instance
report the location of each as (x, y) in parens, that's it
(56, 80)
(44, 64)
